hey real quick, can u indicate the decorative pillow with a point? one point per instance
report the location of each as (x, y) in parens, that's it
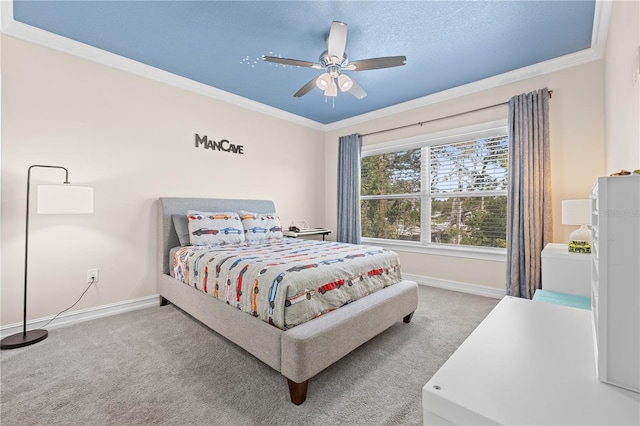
(214, 228)
(260, 227)
(182, 228)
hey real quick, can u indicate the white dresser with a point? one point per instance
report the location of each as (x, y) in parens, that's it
(615, 279)
(527, 363)
(537, 363)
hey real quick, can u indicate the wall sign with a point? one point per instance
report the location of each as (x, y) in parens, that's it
(222, 145)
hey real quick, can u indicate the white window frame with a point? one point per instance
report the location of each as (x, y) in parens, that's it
(462, 134)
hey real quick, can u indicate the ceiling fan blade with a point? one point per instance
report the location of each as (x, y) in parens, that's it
(306, 88)
(337, 40)
(377, 63)
(294, 62)
(357, 90)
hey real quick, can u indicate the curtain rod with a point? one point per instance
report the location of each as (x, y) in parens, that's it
(420, 123)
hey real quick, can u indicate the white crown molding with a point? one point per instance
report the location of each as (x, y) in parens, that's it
(25, 32)
(53, 41)
(83, 315)
(6, 13)
(602, 16)
(478, 290)
(520, 74)
(601, 19)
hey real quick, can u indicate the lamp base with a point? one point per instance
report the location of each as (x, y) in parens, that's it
(19, 340)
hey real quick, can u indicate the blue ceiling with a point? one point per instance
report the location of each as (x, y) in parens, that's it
(221, 43)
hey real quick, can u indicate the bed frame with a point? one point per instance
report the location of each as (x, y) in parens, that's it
(300, 352)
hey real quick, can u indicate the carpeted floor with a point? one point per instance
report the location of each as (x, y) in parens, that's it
(158, 366)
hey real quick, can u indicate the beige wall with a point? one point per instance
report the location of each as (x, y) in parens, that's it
(132, 140)
(622, 91)
(577, 154)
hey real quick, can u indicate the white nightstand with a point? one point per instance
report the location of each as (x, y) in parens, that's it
(307, 232)
(566, 272)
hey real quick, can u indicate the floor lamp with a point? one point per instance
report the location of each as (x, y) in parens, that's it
(52, 199)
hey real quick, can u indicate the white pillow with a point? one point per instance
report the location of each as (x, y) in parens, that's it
(259, 227)
(214, 228)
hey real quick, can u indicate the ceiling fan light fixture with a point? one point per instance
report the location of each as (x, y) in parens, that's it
(323, 81)
(332, 90)
(345, 83)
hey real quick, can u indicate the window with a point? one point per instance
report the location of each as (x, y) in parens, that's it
(447, 189)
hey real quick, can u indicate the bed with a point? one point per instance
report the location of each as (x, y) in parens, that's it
(298, 351)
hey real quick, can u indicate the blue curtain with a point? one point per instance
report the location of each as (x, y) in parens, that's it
(349, 228)
(529, 193)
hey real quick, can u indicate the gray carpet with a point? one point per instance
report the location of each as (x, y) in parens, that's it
(159, 366)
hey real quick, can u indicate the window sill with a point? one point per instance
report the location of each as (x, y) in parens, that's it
(477, 253)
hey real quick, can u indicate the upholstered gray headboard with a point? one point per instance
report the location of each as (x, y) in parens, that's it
(169, 206)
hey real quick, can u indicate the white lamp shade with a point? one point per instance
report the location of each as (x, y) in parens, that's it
(345, 83)
(323, 81)
(576, 212)
(65, 199)
(332, 90)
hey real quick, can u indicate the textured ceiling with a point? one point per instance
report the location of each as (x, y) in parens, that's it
(221, 43)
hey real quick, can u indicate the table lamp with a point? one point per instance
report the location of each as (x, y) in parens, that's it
(52, 199)
(578, 212)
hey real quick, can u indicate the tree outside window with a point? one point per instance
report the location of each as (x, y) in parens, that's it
(453, 193)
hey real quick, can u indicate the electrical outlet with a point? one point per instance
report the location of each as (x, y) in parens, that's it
(93, 275)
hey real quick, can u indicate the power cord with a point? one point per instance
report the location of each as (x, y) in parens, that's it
(93, 280)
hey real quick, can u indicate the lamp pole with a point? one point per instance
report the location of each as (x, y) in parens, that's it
(26, 338)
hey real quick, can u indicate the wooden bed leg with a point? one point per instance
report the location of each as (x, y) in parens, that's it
(163, 301)
(298, 391)
(407, 319)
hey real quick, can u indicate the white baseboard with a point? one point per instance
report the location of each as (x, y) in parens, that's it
(83, 315)
(478, 290)
(149, 301)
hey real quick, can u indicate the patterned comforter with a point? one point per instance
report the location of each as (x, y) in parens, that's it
(287, 282)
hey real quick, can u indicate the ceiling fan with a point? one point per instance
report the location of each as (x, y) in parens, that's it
(334, 62)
